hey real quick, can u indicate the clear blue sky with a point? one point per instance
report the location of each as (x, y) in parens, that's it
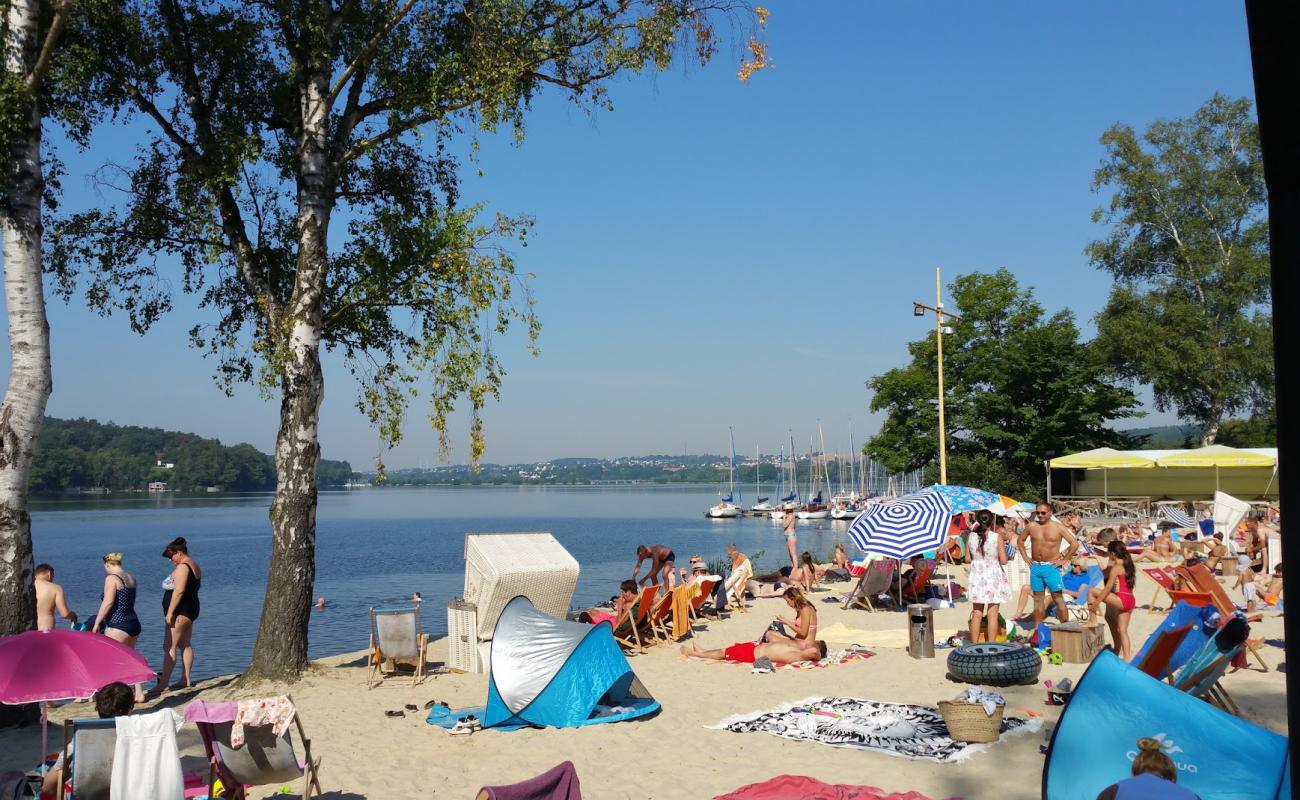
(715, 254)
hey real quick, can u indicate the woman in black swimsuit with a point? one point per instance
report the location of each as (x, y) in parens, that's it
(180, 610)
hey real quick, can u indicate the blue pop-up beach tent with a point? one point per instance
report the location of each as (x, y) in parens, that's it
(547, 671)
(1115, 704)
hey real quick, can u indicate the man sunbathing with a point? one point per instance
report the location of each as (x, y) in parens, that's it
(784, 652)
(1163, 549)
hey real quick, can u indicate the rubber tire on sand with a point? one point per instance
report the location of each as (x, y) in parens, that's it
(995, 664)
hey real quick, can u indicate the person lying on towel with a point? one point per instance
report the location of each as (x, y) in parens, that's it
(626, 597)
(782, 652)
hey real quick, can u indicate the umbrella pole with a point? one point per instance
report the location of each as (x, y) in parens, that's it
(900, 584)
(45, 737)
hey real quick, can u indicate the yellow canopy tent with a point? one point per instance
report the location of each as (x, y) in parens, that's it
(1104, 459)
(1218, 455)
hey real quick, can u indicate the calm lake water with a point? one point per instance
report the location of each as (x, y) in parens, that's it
(375, 547)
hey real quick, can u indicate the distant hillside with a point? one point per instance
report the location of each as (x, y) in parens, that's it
(1165, 437)
(83, 454)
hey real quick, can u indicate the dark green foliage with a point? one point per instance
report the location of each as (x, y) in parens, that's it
(1019, 385)
(82, 453)
(1188, 249)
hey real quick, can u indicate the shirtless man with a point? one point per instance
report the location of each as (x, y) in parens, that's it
(1045, 535)
(661, 565)
(782, 652)
(49, 598)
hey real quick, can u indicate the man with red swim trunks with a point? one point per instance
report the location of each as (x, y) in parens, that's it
(782, 652)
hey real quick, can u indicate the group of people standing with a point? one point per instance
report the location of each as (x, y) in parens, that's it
(116, 616)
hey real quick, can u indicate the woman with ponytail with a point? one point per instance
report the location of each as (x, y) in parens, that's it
(1154, 777)
(1116, 592)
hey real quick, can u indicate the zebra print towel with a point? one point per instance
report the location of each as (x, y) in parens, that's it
(896, 729)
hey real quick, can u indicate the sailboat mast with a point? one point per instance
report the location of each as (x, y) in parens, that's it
(732, 486)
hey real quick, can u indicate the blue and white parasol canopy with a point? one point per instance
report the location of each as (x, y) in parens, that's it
(905, 526)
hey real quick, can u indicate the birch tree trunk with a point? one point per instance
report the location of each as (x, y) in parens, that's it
(280, 652)
(29, 384)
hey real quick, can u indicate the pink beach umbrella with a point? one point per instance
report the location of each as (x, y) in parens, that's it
(37, 666)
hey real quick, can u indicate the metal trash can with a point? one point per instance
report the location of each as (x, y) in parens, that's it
(920, 631)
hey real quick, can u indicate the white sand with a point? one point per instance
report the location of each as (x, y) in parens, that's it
(368, 755)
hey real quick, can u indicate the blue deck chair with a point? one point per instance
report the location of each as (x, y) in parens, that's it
(1180, 615)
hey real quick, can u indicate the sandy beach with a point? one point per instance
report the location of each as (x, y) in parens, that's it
(366, 754)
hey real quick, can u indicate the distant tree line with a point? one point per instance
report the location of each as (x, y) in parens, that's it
(82, 453)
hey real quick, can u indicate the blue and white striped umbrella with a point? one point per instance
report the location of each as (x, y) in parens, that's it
(964, 498)
(1177, 516)
(903, 527)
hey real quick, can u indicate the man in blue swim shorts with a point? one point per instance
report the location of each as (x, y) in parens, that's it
(1045, 533)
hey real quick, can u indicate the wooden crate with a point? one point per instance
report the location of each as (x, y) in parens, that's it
(1077, 643)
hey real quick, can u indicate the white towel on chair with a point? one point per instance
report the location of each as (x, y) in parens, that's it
(146, 762)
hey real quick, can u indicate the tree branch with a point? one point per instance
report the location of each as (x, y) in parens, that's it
(363, 57)
(52, 36)
(397, 129)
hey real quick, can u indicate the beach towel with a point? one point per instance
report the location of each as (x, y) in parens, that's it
(146, 762)
(783, 787)
(895, 729)
(557, 783)
(446, 718)
(833, 658)
(839, 632)
(682, 609)
(277, 712)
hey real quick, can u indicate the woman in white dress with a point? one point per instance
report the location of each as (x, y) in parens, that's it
(989, 587)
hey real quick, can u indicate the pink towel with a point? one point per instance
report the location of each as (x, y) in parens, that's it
(786, 786)
(558, 783)
(204, 711)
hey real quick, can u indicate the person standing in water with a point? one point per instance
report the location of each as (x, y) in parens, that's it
(117, 618)
(180, 612)
(788, 525)
(49, 600)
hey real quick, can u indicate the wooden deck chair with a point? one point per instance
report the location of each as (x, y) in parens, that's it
(93, 741)
(1164, 583)
(875, 581)
(396, 635)
(263, 759)
(1156, 661)
(1200, 577)
(630, 626)
(658, 620)
(702, 596)
(736, 594)
(1204, 682)
(921, 574)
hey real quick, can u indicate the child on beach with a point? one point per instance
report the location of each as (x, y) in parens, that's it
(1117, 595)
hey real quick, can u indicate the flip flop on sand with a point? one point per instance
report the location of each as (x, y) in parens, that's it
(433, 703)
(396, 713)
(411, 707)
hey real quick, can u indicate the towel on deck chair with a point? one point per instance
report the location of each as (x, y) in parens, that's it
(146, 762)
(558, 783)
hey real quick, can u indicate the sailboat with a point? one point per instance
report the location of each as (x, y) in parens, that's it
(762, 506)
(790, 500)
(727, 507)
(847, 505)
(815, 508)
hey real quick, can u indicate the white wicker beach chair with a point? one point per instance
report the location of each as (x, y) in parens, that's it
(502, 566)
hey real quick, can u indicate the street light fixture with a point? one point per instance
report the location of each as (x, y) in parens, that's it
(919, 310)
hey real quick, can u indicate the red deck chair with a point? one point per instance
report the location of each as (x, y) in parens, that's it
(1156, 661)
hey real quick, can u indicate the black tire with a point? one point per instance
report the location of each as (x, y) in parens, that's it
(995, 664)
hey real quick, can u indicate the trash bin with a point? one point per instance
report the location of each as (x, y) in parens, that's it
(920, 631)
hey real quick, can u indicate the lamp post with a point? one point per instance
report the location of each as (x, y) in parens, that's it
(919, 310)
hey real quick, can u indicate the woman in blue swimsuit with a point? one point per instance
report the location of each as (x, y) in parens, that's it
(116, 618)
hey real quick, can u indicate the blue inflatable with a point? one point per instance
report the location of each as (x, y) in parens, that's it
(550, 672)
(1115, 704)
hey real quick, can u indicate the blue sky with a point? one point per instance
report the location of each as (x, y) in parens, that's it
(715, 253)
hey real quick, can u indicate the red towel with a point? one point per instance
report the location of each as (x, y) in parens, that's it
(558, 783)
(783, 787)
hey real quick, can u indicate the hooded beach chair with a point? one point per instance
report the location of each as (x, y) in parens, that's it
(263, 758)
(93, 743)
(875, 581)
(396, 635)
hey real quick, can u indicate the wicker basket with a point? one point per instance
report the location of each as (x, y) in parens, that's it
(969, 722)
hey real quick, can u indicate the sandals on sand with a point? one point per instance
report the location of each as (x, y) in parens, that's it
(396, 713)
(433, 703)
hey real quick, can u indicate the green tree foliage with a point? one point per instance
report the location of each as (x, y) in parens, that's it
(1019, 384)
(82, 453)
(266, 119)
(1188, 249)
